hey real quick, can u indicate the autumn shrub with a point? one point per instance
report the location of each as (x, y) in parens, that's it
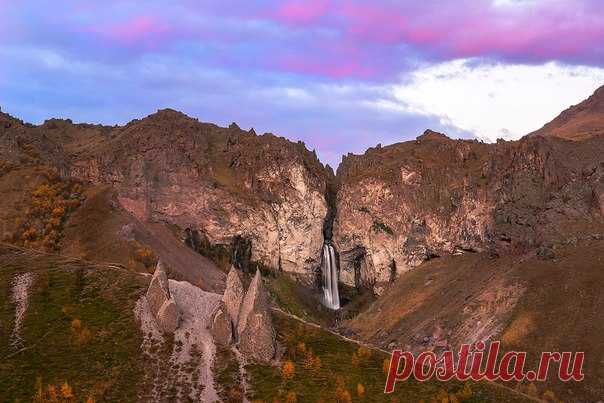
(386, 365)
(143, 254)
(55, 394)
(80, 334)
(41, 225)
(291, 397)
(360, 390)
(343, 395)
(288, 370)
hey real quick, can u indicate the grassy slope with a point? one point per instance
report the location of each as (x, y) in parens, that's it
(102, 361)
(339, 373)
(560, 309)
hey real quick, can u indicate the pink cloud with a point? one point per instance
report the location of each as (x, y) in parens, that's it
(531, 32)
(302, 12)
(143, 30)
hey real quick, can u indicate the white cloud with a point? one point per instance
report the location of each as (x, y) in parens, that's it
(495, 100)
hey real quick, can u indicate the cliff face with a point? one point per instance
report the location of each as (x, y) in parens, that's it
(219, 183)
(258, 197)
(400, 205)
(263, 200)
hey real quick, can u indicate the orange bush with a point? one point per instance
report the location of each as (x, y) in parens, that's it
(360, 390)
(291, 397)
(343, 395)
(288, 370)
(51, 203)
(386, 365)
(145, 255)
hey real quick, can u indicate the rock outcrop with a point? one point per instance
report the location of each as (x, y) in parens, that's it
(221, 325)
(227, 185)
(403, 204)
(233, 296)
(162, 305)
(255, 329)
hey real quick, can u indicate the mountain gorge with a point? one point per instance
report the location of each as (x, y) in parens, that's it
(450, 238)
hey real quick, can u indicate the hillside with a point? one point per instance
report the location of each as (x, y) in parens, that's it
(76, 332)
(578, 122)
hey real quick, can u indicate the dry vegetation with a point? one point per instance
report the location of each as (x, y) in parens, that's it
(41, 223)
(320, 367)
(80, 340)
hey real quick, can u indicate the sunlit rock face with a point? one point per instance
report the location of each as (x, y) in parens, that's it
(222, 183)
(400, 205)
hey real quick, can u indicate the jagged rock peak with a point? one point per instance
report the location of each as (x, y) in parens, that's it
(233, 295)
(162, 305)
(255, 328)
(432, 135)
(221, 325)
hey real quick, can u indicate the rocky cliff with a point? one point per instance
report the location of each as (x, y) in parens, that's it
(403, 204)
(231, 194)
(263, 201)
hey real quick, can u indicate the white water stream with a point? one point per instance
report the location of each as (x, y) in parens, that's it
(331, 296)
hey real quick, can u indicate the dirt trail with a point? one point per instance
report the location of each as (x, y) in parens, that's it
(20, 296)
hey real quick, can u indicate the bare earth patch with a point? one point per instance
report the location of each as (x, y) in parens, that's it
(20, 296)
(182, 371)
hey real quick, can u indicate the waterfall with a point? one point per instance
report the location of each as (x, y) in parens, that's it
(331, 296)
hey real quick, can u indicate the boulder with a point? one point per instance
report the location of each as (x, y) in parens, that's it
(255, 328)
(233, 295)
(221, 326)
(162, 305)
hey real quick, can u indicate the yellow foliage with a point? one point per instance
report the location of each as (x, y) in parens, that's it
(466, 392)
(288, 370)
(360, 390)
(317, 363)
(386, 366)
(309, 359)
(355, 359)
(145, 255)
(41, 225)
(364, 353)
(90, 400)
(76, 325)
(343, 395)
(81, 334)
(53, 396)
(291, 397)
(66, 391)
(442, 396)
(58, 212)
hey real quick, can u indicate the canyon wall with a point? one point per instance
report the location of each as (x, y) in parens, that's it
(403, 204)
(264, 201)
(220, 184)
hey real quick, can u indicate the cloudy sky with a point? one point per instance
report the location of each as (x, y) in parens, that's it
(339, 75)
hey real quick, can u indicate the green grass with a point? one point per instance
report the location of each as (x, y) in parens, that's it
(226, 372)
(104, 363)
(339, 372)
(297, 300)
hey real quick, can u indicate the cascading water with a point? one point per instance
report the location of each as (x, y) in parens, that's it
(331, 296)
